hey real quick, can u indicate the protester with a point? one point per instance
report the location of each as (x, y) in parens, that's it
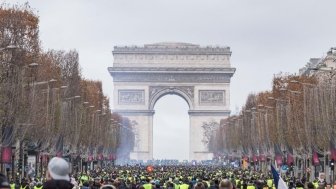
(225, 184)
(58, 175)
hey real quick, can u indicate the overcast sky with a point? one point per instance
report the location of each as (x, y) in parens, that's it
(265, 37)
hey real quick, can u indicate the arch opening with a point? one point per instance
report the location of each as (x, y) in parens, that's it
(171, 128)
(171, 91)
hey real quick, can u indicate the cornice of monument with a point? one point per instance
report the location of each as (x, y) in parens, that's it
(212, 70)
(172, 48)
(134, 112)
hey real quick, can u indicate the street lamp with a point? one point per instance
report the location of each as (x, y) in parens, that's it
(73, 97)
(9, 47)
(34, 64)
(52, 80)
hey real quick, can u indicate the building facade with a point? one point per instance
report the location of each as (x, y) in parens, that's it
(317, 66)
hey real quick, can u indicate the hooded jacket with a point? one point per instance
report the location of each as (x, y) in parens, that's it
(57, 184)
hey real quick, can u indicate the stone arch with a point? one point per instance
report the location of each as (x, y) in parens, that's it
(200, 75)
(170, 90)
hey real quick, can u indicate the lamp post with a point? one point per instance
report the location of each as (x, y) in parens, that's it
(332, 168)
(13, 82)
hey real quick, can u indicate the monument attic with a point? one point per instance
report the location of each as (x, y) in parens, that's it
(200, 75)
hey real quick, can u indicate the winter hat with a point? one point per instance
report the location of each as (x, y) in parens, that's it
(59, 169)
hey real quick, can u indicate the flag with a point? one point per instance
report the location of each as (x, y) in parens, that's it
(278, 181)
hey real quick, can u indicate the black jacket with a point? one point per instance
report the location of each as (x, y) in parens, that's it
(57, 184)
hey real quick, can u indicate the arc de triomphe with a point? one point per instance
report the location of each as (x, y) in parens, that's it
(200, 75)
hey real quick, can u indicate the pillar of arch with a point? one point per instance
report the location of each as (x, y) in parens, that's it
(200, 75)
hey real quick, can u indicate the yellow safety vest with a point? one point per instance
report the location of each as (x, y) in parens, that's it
(184, 186)
(147, 186)
(84, 178)
(270, 183)
(23, 187)
(12, 186)
(176, 186)
(237, 181)
(250, 187)
(315, 184)
(35, 187)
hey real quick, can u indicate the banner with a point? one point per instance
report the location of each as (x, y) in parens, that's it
(90, 157)
(278, 160)
(6, 154)
(316, 160)
(255, 158)
(290, 159)
(262, 158)
(100, 157)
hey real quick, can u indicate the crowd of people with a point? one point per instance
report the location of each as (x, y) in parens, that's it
(58, 176)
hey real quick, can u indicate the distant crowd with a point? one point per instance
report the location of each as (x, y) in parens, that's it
(158, 177)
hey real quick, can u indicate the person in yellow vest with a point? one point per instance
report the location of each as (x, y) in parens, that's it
(237, 182)
(310, 185)
(315, 183)
(242, 184)
(250, 185)
(185, 184)
(24, 184)
(176, 184)
(38, 186)
(265, 186)
(269, 182)
(12, 184)
(299, 185)
(147, 185)
(83, 178)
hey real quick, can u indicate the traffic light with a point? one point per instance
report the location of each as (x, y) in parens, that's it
(332, 164)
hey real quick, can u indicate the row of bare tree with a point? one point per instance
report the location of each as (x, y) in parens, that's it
(298, 116)
(44, 100)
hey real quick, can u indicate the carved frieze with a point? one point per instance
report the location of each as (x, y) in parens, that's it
(164, 59)
(212, 97)
(130, 97)
(171, 78)
(188, 90)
